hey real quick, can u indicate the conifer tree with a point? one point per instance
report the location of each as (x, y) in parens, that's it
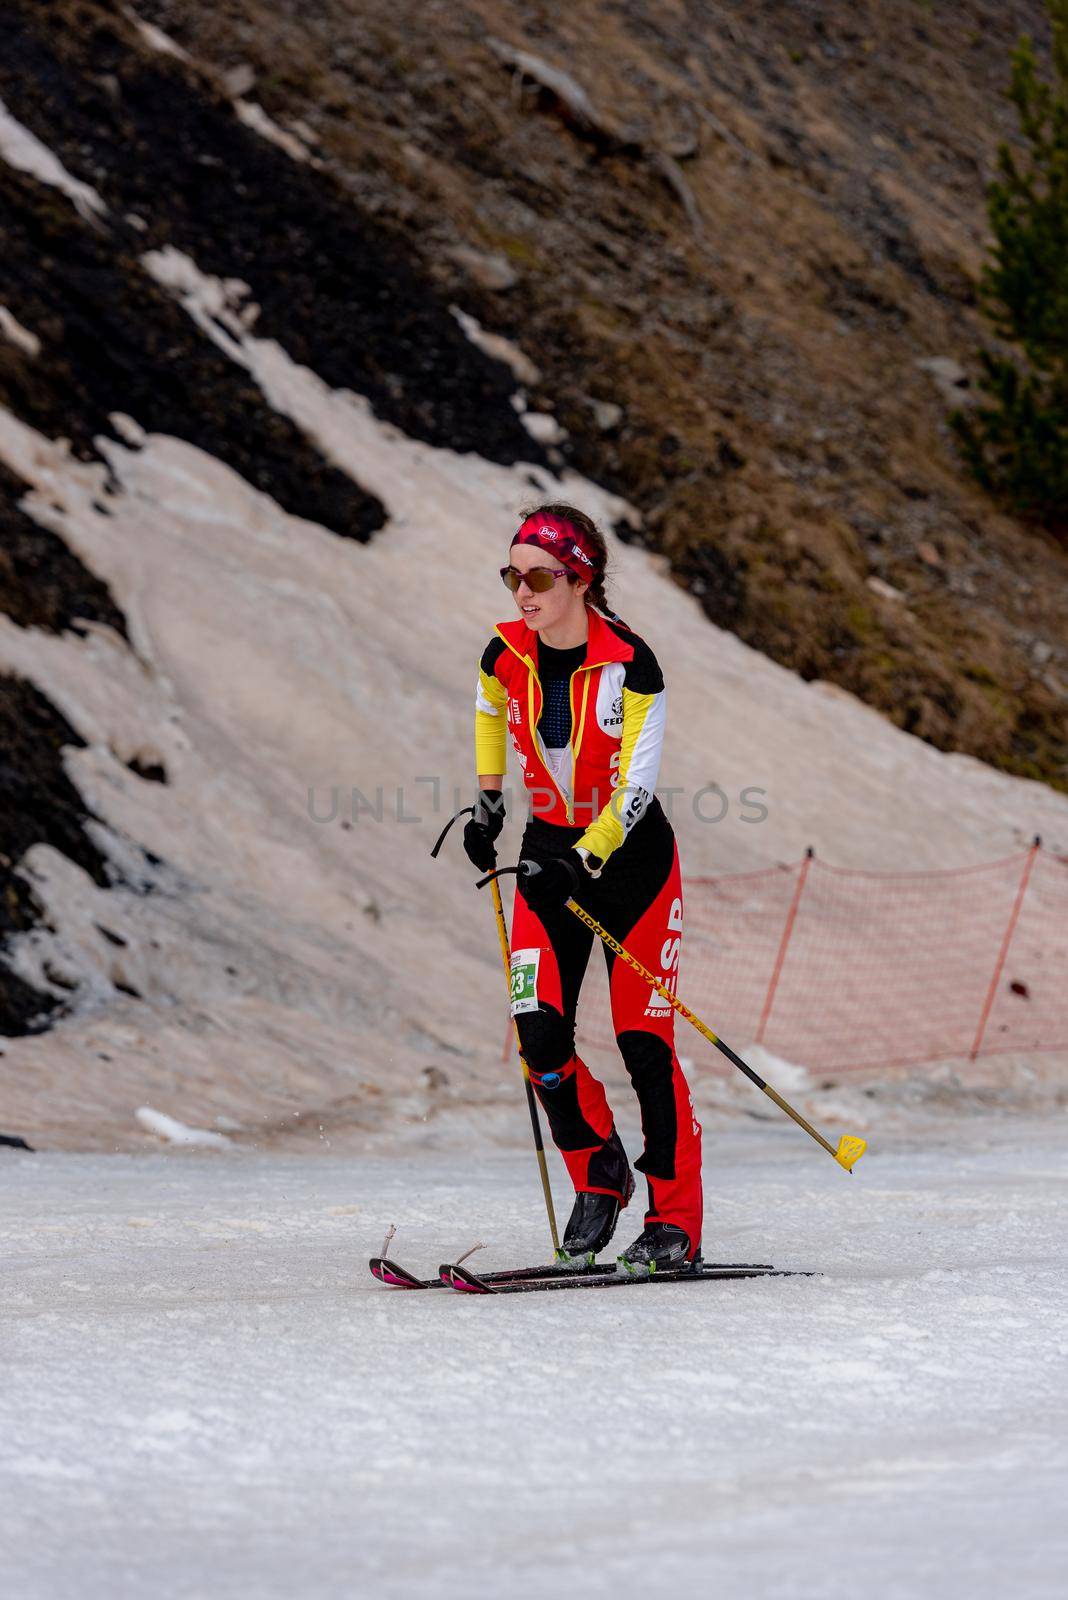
(1016, 439)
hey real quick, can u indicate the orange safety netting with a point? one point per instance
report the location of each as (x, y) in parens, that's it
(837, 969)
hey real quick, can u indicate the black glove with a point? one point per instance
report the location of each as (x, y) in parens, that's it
(544, 886)
(483, 828)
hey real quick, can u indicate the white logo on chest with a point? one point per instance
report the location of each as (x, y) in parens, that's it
(610, 700)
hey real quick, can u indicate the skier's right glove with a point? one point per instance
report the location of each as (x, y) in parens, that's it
(483, 828)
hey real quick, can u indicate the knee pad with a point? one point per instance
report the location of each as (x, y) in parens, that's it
(547, 1044)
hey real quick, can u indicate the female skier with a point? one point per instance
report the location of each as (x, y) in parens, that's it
(583, 698)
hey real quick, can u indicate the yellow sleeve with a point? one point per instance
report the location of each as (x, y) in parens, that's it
(491, 742)
(639, 765)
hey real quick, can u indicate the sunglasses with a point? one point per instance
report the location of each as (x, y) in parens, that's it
(540, 579)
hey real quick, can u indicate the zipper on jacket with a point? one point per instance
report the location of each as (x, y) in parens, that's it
(532, 679)
(581, 723)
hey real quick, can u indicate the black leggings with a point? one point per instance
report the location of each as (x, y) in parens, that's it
(638, 900)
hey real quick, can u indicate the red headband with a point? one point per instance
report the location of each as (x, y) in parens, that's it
(571, 547)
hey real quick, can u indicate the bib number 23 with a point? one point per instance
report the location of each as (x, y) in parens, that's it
(523, 980)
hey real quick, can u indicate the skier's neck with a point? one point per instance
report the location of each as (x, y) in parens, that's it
(567, 635)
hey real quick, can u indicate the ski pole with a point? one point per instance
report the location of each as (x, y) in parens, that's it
(849, 1149)
(532, 1104)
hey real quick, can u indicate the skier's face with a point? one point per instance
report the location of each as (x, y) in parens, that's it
(546, 608)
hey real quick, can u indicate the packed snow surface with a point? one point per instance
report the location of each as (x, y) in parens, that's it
(205, 1393)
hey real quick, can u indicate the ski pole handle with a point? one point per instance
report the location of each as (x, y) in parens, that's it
(463, 812)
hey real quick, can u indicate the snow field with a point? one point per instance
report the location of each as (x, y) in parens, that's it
(205, 1393)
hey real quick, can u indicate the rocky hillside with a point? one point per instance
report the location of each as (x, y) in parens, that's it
(736, 241)
(739, 242)
(259, 429)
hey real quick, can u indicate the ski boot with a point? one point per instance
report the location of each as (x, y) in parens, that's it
(594, 1216)
(661, 1248)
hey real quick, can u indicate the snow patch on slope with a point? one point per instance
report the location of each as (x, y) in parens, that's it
(786, 1076)
(171, 1131)
(23, 150)
(252, 114)
(498, 347)
(156, 38)
(249, 112)
(12, 330)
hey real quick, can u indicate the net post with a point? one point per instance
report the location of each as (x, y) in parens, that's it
(791, 918)
(1006, 940)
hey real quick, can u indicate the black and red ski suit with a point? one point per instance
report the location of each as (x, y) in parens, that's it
(602, 798)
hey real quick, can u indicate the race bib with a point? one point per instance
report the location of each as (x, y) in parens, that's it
(524, 980)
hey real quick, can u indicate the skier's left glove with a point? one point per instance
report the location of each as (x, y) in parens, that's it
(546, 885)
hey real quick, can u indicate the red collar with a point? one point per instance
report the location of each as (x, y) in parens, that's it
(603, 643)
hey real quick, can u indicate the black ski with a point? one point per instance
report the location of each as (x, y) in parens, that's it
(607, 1277)
(395, 1276)
(398, 1277)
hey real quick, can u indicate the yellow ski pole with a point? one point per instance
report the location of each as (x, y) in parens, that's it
(849, 1148)
(532, 1104)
